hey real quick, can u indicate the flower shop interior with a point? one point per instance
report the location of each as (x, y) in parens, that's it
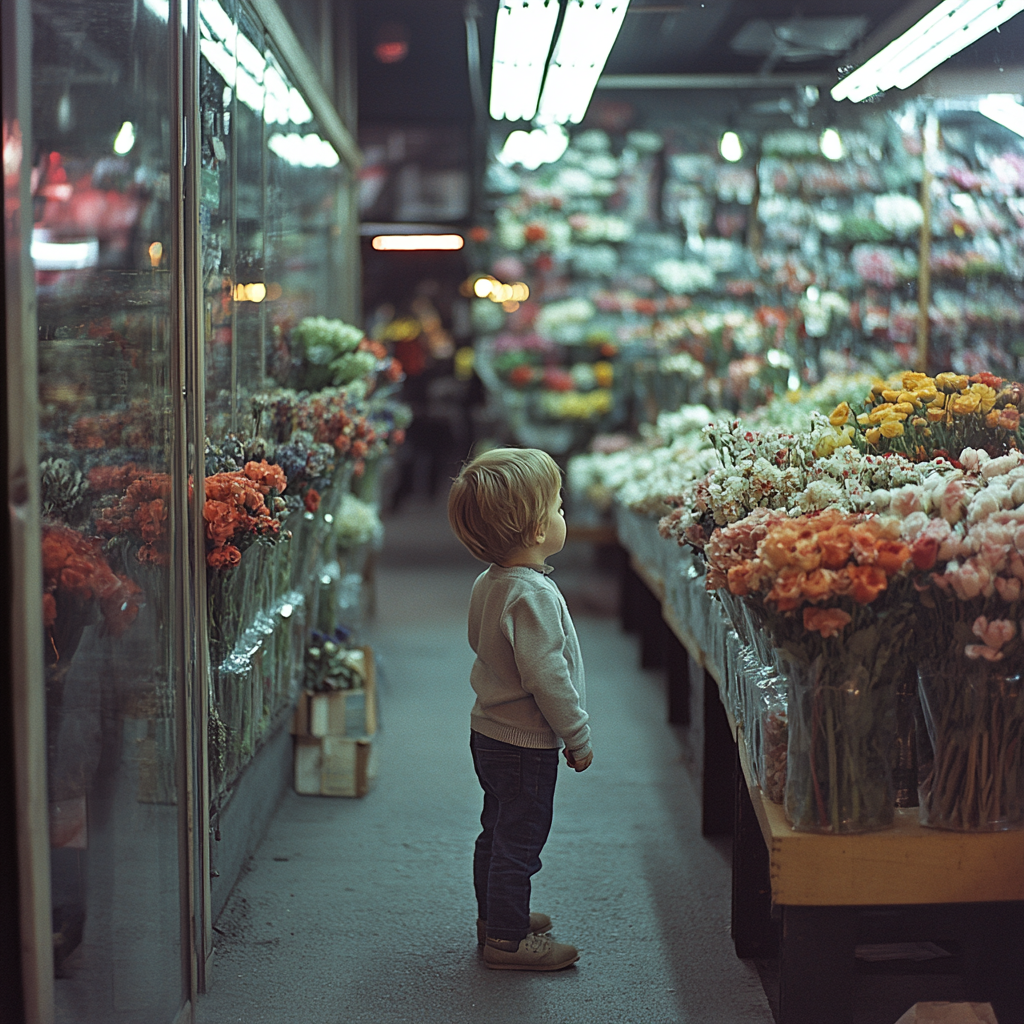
(750, 272)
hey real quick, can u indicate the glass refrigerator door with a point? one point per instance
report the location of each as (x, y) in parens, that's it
(101, 249)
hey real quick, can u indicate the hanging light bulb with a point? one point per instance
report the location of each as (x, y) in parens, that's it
(730, 147)
(831, 144)
(125, 139)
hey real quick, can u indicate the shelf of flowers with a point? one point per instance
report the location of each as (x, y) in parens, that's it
(286, 538)
(821, 564)
(660, 274)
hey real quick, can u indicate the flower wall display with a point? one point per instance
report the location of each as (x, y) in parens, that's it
(728, 284)
(844, 560)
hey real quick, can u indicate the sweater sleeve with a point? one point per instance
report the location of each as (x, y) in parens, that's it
(538, 640)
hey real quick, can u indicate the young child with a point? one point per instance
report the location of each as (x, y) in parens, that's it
(528, 678)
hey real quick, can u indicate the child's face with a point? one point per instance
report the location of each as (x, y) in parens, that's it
(554, 532)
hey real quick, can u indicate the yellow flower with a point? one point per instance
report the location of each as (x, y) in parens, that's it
(846, 436)
(926, 394)
(876, 389)
(964, 404)
(873, 436)
(890, 396)
(935, 415)
(949, 382)
(986, 395)
(840, 414)
(904, 407)
(914, 381)
(604, 374)
(891, 428)
(918, 422)
(880, 412)
(909, 396)
(992, 419)
(864, 419)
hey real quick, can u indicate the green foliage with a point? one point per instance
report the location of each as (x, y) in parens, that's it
(322, 352)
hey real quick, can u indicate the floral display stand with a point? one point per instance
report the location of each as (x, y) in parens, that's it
(798, 894)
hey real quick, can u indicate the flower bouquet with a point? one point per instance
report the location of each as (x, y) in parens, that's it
(971, 684)
(328, 352)
(816, 581)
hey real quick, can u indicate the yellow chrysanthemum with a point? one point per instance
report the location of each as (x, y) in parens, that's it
(840, 414)
(891, 428)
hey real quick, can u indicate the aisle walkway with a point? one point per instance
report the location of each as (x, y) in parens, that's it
(363, 910)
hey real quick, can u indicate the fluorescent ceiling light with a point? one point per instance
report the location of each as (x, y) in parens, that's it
(63, 255)
(1004, 110)
(522, 38)
(589, 31)
(303, 150)
(410, 243)
(942, 32)
(531, 149)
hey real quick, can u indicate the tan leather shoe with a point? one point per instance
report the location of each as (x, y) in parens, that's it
(539, 923)
(534, 953)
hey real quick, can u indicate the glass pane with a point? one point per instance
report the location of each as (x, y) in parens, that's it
(271, 248)
(101, 246)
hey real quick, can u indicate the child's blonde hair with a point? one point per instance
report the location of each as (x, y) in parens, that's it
(502, 499)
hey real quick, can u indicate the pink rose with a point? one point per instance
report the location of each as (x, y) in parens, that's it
(906, 501)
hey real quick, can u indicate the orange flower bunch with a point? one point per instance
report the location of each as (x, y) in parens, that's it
(114, 478)
(236, 513)
(75, 572)
(141, 512)
(818, 558)
(134, 427)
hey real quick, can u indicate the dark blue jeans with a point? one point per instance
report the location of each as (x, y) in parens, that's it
(519, 793)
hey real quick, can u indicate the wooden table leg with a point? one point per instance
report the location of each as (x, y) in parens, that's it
(677, 672)
(718, 787)
(816, 965)
(753, 932)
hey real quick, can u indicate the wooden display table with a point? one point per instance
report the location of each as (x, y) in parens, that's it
(803, 896)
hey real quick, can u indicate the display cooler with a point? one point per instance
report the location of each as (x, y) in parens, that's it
(177, 196)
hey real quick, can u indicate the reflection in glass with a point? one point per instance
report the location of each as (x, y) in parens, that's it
(101, 234)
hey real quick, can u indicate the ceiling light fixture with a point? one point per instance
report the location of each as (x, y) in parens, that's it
(411, 243)
(1005, 110)
(531, 149)
(831, 144)
(730, 147)
(522, 38)
(589, 30)
(942, 32)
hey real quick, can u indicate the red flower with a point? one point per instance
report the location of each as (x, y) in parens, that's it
(535, 233)
(311, 500)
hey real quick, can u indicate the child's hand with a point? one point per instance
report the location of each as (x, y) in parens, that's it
(580, 765)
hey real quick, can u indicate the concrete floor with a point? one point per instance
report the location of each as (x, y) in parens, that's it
(362, 910)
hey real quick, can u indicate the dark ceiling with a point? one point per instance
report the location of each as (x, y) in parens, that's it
(736, 37)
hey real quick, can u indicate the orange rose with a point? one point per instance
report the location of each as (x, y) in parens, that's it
(835, 547)
(826, 621)
(891, 556)
(788, 590)
(817, 586)
(866, 582)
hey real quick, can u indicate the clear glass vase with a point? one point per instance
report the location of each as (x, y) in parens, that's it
(841, 727)
(972, 778)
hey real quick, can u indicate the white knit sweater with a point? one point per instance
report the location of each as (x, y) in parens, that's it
(528, 674)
